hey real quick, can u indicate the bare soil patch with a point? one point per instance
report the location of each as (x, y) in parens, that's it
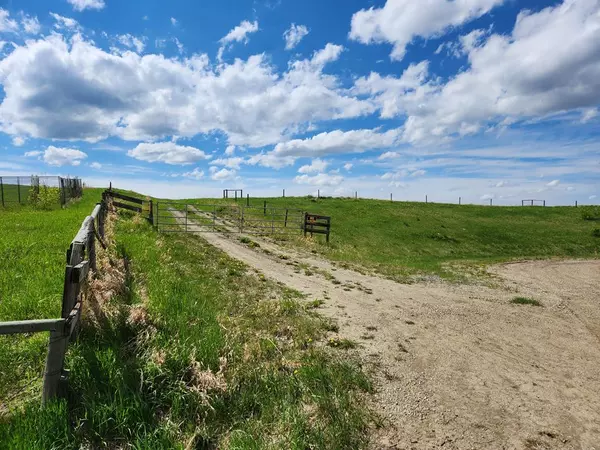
(460, 366)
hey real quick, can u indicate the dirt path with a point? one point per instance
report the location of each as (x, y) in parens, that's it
(459, 367)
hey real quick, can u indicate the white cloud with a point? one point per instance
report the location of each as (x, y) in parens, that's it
(317, 165)
(348, 166)
(592, 197)
(96, 165)
(388, 155)
(222, 175)
(336, 142)
(398, 22)
(33, 153)
(321, 179)
(174, 21)
(230, 150)
(271, 160)
(18, 141)
(195, 174)
(62, 22)
(238, 34)
(6, 23)
(533, 72)
(330, 53)
(167, 152)
(232, 163)
(553, 183)
(588, 114)
(89, 94)
(80, 5)
(131, 41)
(293, 35)
(58, 156)
(31, 25)
(180, 47)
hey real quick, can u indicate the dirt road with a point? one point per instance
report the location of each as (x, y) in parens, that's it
(459, 366)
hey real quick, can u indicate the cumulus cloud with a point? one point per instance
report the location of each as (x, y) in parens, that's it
(232, 163)
(398, 22)
(222, 174)
(330, 53)
(62, 22)
(230, 150)
(321, 179)
(89, 94)
(80, 5)
(58, 156)
(238, 34)
(348, 166)
(31, 25)
(167, 152)
(533, 72)
(553, 183)
(195, 174)
(6, 23)
(18, 141)
(96, 165)
(336, 142)
(293, 35)
(131, 41)
(317, 165)
(33, 153)
(174, 21)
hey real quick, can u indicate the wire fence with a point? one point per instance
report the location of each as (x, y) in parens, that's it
(43, 191)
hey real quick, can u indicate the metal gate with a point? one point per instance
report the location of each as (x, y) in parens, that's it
(174, 217)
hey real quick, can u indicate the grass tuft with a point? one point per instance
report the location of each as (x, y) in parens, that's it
(525, 301)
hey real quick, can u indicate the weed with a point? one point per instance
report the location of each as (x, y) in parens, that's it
(341, 343)
(315, 304)
(525, 301)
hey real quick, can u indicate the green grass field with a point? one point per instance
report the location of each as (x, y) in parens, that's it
(33, 247)
(195, 351)
(402, 239)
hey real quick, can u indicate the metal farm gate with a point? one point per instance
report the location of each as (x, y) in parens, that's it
(173, 217)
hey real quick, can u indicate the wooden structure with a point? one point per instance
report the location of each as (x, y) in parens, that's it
(134, 204)
(26, 190)
(314, 223)
(81, 259)
(235, 192)
(532, 202)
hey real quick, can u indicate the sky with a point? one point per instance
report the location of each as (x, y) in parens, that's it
(478, 99)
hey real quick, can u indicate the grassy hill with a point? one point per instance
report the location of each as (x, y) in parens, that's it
(405, 238)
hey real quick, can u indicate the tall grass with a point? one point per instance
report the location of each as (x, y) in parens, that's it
(199, 352)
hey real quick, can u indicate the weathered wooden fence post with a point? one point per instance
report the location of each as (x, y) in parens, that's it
(575, 203)
(247, 199)
(425, 199)
(284, 193)
(151, 212)
(57, 347)
(391, 200)
(265, 208)
(490, 202)
(286, 217)
(459, 200)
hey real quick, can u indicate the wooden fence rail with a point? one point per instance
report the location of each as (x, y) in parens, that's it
(81, 257)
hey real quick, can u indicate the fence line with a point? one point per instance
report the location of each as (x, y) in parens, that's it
(81, 258)
(25, 190)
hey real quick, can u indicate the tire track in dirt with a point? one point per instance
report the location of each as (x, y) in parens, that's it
(458, 366)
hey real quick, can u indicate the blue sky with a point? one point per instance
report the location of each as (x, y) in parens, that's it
(482, 99)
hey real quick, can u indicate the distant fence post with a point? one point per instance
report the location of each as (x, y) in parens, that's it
(355, 195)
(425, 199)
(151, 212)
(490, 202)
(459, 200)
(286, 217)
(391, 200)
(2, 191)
(544, 203)
(318, 193)
(265, 208)
(575, 203)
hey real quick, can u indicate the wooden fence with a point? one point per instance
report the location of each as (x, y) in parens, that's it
(81, 258)
(314, 223)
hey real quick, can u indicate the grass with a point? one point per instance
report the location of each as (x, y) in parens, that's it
(33, 247)
(197, 352)
(525, 301)
(404, 239)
